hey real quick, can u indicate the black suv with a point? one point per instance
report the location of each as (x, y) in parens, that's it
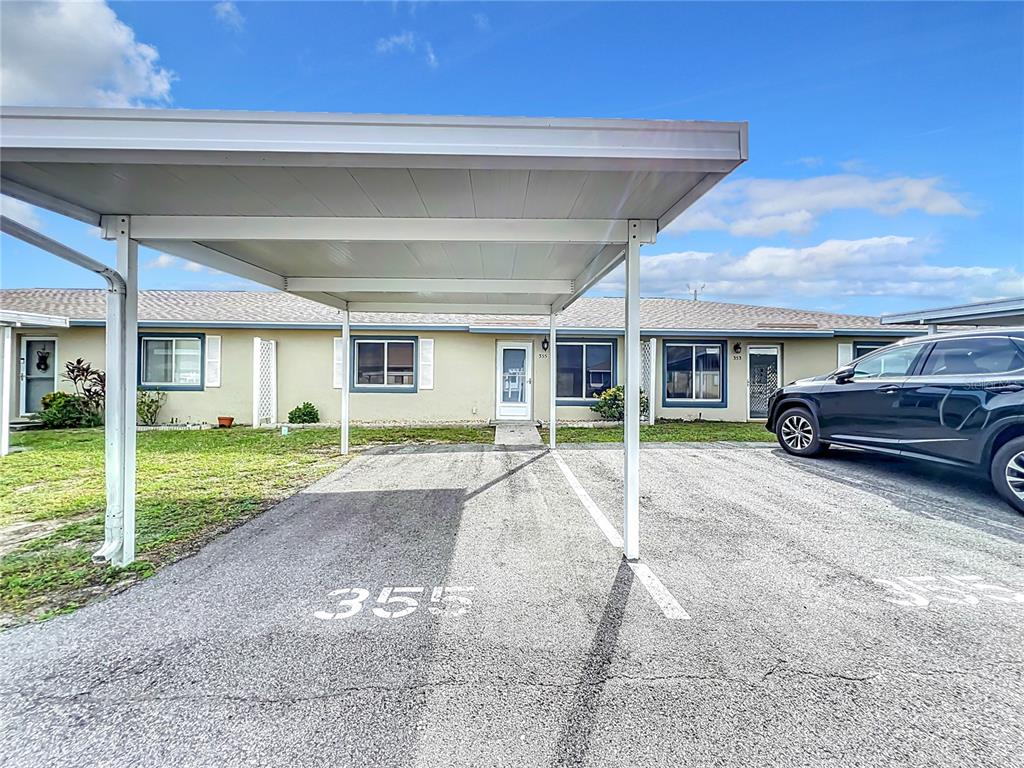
(955, 398)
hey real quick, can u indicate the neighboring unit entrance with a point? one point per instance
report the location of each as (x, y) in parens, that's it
(515, 381)
(763, 377)
(38, 372)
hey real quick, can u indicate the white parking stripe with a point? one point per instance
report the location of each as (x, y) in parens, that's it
(658, 592)
(595, 512)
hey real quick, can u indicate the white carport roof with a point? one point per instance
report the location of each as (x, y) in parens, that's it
(374, 212)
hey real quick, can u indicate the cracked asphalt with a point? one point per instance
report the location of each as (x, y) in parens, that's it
(795, 654)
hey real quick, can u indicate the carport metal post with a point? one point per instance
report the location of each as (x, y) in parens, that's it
(552, 381)
(631, 432)
(346, 331)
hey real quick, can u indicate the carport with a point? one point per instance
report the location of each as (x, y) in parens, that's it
(363, 213)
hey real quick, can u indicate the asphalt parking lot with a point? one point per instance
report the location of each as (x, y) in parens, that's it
(851, 611)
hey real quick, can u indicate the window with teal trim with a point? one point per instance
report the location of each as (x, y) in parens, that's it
(693, 371)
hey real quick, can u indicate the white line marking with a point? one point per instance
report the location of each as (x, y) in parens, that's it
(595, 512)
(668, 604)
(658, 592)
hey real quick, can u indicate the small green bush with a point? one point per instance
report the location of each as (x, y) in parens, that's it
(64, 410)
(304, 414)
(611, 404)
(148, 404)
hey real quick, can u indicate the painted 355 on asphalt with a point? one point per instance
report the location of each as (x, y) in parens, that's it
(953, 398)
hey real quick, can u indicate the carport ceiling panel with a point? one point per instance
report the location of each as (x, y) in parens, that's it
(318, 258)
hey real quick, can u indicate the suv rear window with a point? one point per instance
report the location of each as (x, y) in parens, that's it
(976, 355)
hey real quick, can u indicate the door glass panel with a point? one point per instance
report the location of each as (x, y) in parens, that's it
(513, 375)
(764, 379)
(892, 362)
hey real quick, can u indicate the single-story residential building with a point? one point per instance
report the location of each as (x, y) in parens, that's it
(255, 355)
(1000, 312)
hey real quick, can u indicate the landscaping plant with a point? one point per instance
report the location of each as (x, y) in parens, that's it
(62, 410)
(304, 414)
(148, 404)
(611, 404)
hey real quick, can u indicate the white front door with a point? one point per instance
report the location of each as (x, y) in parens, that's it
(515, 380)
(38, 372)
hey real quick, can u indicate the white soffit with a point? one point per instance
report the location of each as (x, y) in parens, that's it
(275, 197)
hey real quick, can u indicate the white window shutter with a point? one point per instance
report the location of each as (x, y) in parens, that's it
(845, 354)
(339, 361)
(213, 361)
(426, 364)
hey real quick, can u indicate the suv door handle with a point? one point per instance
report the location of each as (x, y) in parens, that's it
(1004, 389)
(888, 389)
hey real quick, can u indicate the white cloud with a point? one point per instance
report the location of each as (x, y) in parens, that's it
(229, 15)
(166, 261)
(892, 265)
(76, 54)
(765, 207)
(482, 22)
(409, 42)
(812, 161)
(21, 212)
(403, 40)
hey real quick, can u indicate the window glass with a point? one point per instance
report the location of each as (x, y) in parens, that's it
(400, 364)
(599, 368)
(172, 361)
(861, 348)
(369, 362)
(892, 362)
(679, 367)
(157, 361)
(693, 371)
(570, 370)
(708, 373)
(187, 364)
(967, 356)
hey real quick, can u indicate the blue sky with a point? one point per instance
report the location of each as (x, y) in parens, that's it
(886, 140)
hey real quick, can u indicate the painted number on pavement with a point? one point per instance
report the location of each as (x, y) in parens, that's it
(921, 591)
(396, 602)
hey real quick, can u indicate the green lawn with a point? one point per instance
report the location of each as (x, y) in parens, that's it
(191, 485)
(670, 432)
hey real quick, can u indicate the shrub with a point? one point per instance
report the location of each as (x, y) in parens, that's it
(304, 414)
(90, 385)
(63, 410)
(148, 404)
(611, 404)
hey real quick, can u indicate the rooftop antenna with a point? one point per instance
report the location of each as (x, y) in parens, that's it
(695, 291)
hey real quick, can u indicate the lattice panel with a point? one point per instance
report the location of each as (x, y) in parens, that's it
(267, 411)
(647, 363)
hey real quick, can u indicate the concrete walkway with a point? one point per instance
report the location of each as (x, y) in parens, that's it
(516, 434)
(458, 606)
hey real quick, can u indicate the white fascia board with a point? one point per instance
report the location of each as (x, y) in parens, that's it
(419, 285)
(897, 332)
(32, 319)
(449, 309)
(323, 298)
(270, 138)
(697, 191)
(377, 229)
(49, 202)
(208, 257)
(960, 313)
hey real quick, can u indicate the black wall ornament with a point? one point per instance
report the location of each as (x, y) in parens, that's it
(43, 360)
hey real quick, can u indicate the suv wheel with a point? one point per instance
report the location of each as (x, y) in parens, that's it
(797, 432)
(1008, 473)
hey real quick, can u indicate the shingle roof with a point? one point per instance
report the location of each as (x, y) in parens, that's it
(268, 307)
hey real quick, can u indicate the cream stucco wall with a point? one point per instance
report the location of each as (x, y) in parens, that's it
(464, 376)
